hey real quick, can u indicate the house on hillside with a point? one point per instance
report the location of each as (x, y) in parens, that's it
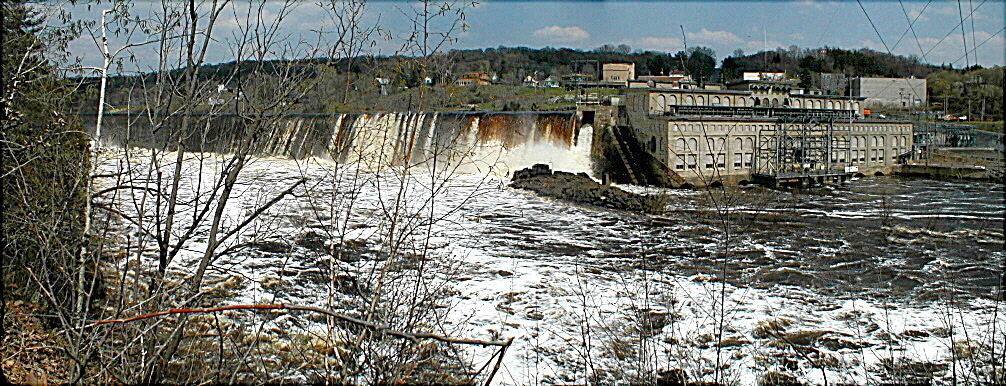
(383, 83)
(474, 79)
(531, 82)
(551, 82)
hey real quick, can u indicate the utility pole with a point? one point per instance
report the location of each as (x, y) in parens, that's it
(685, 41)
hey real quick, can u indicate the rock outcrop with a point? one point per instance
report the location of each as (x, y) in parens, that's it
(580, 188)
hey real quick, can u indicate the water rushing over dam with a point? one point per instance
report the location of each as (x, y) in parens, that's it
(516, 139)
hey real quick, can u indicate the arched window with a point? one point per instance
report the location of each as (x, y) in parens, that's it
(716, 101)
(786, 102)
(738, 144)
(775, 102)
(653, 144)
(831, 105)
(726, 101)
(749, 142)
(661, 103)
(700, 100)
(679, 144)
(673, 100)
(693, 144)
(757, 102)
(765, 102)
(689, 101)
(721, 144)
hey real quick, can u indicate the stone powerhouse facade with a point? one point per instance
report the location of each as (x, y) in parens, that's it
(727, 136)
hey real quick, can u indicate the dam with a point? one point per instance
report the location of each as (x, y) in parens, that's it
(508, 140)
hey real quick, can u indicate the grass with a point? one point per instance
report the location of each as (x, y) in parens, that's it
(993, 126)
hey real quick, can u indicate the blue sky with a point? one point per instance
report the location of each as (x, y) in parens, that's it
(723, 26)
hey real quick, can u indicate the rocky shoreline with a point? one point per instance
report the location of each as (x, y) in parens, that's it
(582, 189)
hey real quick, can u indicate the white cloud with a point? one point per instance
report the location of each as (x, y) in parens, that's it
(917, 13)
(558, 34)
(811, 4)
(708, 37)
(659, 43)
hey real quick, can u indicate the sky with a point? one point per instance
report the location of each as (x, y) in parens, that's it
(724, 26)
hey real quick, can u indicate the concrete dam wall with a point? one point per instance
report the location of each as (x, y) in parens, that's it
(516, 139)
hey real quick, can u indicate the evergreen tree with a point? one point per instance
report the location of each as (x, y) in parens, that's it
(44, 165)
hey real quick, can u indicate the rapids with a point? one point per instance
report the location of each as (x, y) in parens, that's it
(877, 271)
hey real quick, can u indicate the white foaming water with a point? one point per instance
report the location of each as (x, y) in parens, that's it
(542, 272)
(574, 159)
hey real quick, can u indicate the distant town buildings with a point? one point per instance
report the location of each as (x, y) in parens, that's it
(891, 92)
(474, 79)
(830, 83)
(766, 76)
(531, 82)
(551, 82)
(618, 72)
(383, 83)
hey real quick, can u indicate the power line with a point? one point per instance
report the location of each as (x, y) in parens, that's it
(879, 35)
(868, 18)
(963, 36)
(975, 47)
(954, 29)
(911, 24)
(912, 28)
(973, 39)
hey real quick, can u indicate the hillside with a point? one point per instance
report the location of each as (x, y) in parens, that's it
(349, 84)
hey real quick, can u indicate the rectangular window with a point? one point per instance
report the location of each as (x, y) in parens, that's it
(873, 155)
(709, 161)
(747, 159)
(692, 160)
(721, 161)
(881, 157)
(679, 163)
(738, 160)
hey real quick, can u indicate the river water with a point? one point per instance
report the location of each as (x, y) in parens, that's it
(868, 281)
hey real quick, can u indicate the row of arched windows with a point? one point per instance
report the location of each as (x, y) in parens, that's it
(718, 144)
(664, 101)
(748, 143)
(878, 141)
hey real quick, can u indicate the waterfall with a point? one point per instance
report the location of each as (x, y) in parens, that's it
(503, 141)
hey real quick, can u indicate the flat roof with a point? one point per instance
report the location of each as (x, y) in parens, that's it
(720, 118)
(736, 92)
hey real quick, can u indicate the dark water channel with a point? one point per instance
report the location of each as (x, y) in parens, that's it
(909, 239)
